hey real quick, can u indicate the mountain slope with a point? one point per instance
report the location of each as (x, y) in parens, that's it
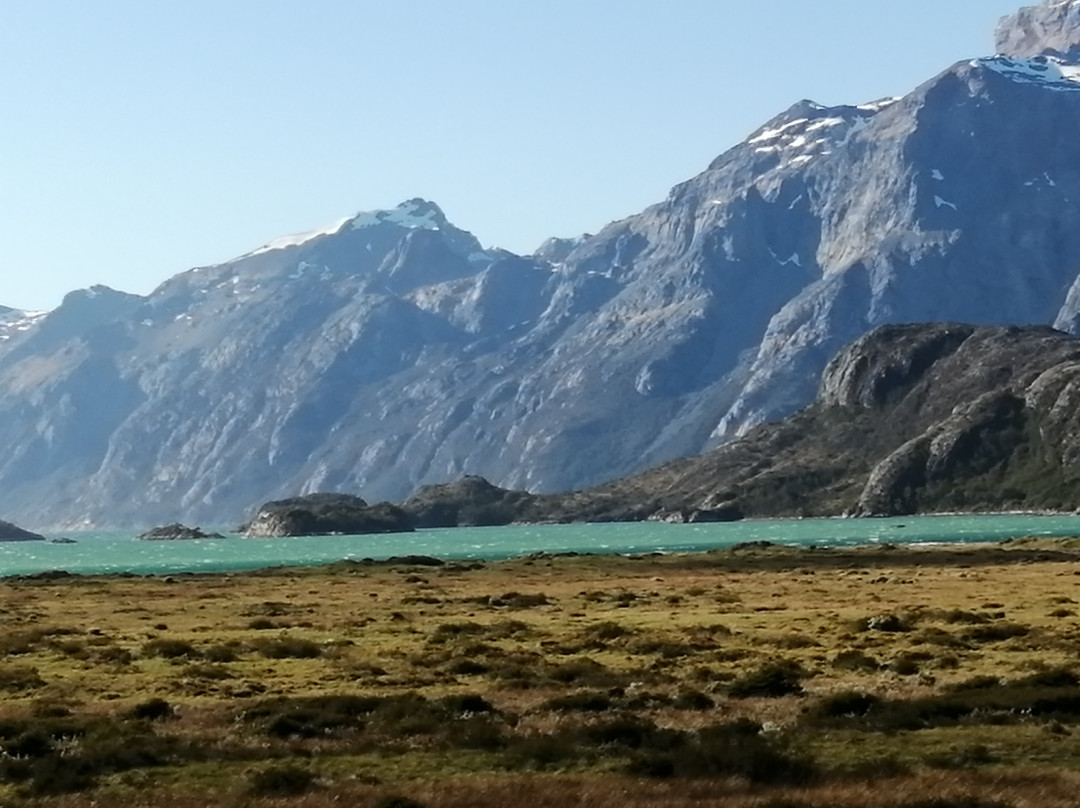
(908, 418)
(391, 350)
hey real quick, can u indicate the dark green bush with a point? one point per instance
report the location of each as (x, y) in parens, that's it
(281, 781)
(772, 680)
(154, 709)
(736, 749)
(845, 704)
(693, 700)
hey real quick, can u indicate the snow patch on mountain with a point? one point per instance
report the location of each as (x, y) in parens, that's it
(415, 214)
(296, 239)
(15, 322)
(1049, 71)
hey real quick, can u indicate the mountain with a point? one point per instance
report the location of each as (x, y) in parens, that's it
(391, 350)
(1050, 28)
(908, 418)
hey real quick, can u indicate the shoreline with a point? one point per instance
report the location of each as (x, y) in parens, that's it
(743, 555)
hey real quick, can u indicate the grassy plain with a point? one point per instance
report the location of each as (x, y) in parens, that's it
(757, 676)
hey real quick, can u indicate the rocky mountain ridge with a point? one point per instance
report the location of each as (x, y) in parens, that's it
(391, 350)
(908, 419)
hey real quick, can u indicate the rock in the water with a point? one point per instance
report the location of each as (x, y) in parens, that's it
(470, 501)
(326, 514)
(10, 532)
(176, 532)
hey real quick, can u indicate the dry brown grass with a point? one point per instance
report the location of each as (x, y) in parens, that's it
(644, 633)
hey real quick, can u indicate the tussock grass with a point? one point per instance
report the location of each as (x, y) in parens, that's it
(759, 676)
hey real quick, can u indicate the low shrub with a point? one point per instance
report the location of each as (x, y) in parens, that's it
(287, 648)
(693, 700)
(467, 667)
(587, 702)
(582, 672)
(854, 661)
(281, 781)
(154, 709)
(19, 678)
(997, 632)
(982, 700)
(170, 649)
(222, 652)
(519, 600)
(772, 680)
(845, 704)
(737, 749)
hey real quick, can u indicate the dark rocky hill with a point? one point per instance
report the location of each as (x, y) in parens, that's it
(324, 514)
(10, 532)
(909, 418)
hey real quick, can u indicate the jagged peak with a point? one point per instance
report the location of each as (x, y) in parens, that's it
(807, 130)
(556, 249)
(1049, 28)
(96, 291)
(412, 214)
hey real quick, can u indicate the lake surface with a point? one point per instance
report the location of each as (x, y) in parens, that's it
(121, 552)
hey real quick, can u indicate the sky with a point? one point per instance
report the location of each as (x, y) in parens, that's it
(139, 138)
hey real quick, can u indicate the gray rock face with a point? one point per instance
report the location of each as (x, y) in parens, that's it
(393, 351)
(1052, 26)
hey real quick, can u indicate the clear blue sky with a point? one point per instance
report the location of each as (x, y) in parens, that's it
(142, 138)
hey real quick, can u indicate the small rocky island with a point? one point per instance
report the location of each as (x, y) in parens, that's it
(471, 501)
(177, 532)
(10, 532)
(326, 514)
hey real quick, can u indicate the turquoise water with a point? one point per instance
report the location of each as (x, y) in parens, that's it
(121, 552)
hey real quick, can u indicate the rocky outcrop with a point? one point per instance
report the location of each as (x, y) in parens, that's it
(470, 501)
(325, 514)
(10, 532)
(1050, 27)
(913, 418)
(176, 532)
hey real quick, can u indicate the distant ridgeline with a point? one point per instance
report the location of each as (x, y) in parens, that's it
(392, 350)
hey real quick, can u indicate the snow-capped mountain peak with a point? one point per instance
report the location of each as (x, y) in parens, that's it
(413, 214)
